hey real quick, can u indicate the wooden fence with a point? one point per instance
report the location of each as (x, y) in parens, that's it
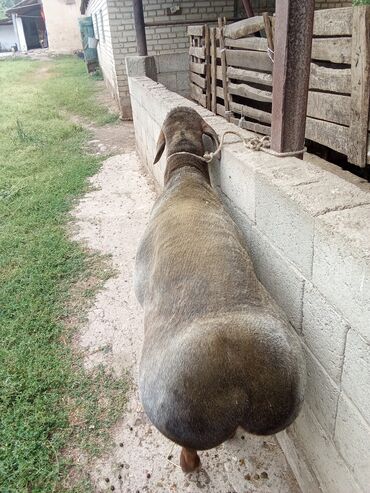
(231, 74)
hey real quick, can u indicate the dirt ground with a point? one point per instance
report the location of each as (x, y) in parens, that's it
(111, 219)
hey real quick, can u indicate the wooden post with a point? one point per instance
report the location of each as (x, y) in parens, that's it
(214, 68)
(248, 8)
(268, 30)
(360, 82)
(207, 62)
(140, 28)
(293, 40)
(224, 69)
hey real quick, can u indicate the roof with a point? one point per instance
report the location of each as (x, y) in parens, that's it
(23, 6)
(83, 6)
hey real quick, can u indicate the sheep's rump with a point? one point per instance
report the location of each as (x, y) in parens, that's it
(237, 369)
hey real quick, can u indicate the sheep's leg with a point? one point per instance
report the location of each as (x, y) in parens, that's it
(189, 460)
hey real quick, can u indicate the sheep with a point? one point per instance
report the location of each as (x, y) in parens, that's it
(218, 354)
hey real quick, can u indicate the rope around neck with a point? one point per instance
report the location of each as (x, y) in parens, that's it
(254, 144)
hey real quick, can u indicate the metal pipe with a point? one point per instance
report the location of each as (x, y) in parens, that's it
(140, 28)
(292, 58)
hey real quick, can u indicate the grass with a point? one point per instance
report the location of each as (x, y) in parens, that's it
(47, 401)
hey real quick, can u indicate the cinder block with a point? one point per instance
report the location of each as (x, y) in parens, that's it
(322, 455)
(284, 222)
(280, 278)
(341, 265)
(168, 80)
(352, 436)
(324, 331)
(177, 62)
(321, 393)
(356, 372)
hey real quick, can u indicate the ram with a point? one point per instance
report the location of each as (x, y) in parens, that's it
(217, 353)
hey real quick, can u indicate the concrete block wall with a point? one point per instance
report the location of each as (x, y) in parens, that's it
(173, 72)
(308, 235)
(161, 39)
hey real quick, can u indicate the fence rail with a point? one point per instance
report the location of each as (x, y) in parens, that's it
(231, 74)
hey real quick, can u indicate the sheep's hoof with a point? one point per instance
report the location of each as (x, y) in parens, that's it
(189, 460)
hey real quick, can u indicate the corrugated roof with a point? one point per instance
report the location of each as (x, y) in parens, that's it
(23, 5)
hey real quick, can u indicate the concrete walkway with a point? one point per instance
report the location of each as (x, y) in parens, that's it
(111, 219)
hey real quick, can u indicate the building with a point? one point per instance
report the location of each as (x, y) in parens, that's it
(52, 24)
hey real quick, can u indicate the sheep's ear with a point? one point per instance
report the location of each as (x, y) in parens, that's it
(208, 130)
(161, 144)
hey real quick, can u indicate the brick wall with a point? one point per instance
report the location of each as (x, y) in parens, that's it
(121, 40)
(308, 236)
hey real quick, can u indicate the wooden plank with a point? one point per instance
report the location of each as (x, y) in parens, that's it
(197, 94)
(254, 60)
(262, 116)
(360, 73)
(197, 68)
(330, 79)
(328, 134)
(333, 22)
(329, 107)
(208, 66)
(196, 30)
(335, 50)
(213, 69)
(224, 68)
(198, 80)
(268, 31)
(249, 76)
(254, 127)
(220, 110)
(199, 52)
(250, 92)
(251, 43)
(220, 92)
(244, 27)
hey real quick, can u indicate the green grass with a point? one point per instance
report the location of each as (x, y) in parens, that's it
(43, 168)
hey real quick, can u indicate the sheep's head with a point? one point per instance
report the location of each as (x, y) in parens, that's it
(183, 131)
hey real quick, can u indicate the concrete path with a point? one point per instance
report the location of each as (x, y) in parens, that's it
(111, 219)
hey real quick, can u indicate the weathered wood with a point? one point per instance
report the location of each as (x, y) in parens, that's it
(251, 43)
(328, 134)
(262, 116)
(248, 8)
(254, 127)
(268, 31)
(220, 110)
(224, 68)
(333, 22)
(208, 66)
(197, 94)
(292, 58)
(335, 50)
(250, 92)
(249, 76)
(360, 73)
(330, 79)
(198, 80)
(196, 30)
(213, 68)
(254, 60)
(198, 68)
(198, 52)
(244, 27)
(220, 92)
(329, 107)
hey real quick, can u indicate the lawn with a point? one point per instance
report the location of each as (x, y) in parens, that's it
(48, 403)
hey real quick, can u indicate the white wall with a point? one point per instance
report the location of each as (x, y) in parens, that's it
(309, 238)
(7, 37)
(61, 18)
(160, 39)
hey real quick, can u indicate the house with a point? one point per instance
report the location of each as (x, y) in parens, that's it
(51, 23)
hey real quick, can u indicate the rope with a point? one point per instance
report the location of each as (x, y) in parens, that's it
(254, 144)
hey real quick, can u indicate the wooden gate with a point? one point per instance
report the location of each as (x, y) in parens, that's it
(231, 74)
